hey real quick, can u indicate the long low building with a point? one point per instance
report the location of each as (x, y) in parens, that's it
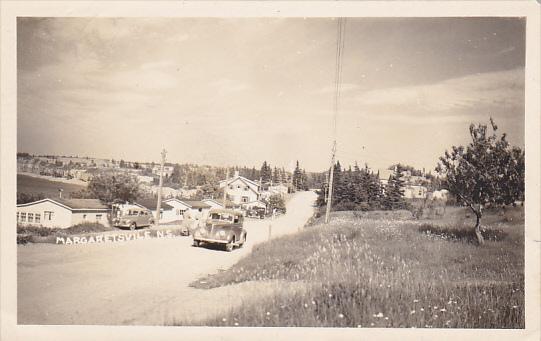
(62, 213)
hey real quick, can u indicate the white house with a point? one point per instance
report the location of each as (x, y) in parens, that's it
(145, 179)
(179, 208)
(241, 190)
(167, 170)
(62, 213)
(186, 209)
(167, 212)
(415, 192)
(254, 204)
(216, 203)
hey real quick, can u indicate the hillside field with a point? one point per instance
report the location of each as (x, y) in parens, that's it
(386, 269)
(32, 185)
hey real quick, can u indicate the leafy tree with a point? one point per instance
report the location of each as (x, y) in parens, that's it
(487, 171)
(23, 198)
(122, 164)
(276, 201)
(110, 188)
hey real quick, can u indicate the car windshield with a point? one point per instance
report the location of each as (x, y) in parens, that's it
(222, 216)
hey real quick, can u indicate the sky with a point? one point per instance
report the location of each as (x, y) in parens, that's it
(238, 91)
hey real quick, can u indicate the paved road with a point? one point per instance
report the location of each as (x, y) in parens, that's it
(140, 282)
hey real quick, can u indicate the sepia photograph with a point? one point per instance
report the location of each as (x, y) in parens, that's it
(336, 171)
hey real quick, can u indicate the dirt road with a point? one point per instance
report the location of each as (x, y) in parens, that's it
(140, 282)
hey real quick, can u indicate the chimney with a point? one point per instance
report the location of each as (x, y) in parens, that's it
(60, 193)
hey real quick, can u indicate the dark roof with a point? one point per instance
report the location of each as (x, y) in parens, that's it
(196, 203)
(81, 204)
(151, 204)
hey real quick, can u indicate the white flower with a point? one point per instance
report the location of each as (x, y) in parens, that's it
(379, 315)
(341, 316)
(236, 323)
(268, 313)
(224, 319)
(412, 312)
(415, 301)
(442, 310)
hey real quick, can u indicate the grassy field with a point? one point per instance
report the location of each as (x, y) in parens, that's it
(31, 185)
(387, 270)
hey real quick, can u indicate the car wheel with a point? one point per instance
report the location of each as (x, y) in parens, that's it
(243, 240)
(196, 243)
(229, 246)
(133, 226)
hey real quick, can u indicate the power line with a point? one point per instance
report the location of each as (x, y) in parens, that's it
(341, 28)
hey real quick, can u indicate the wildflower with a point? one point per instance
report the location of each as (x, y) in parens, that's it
(268, 313)
(372, 324)
(306, 305)
(386, 317)
(435, 316)
(515, 306)
(448, 322)
(415, 301)
(422, 309)
(341, 316)
(359, 326)
(224, 319)
(330, 295)
(412, 312)
(379, 315)
(435, 307)
(443, 309)
(236, 323)
(313, 302)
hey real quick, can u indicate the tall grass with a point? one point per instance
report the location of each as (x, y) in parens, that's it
(381, 272)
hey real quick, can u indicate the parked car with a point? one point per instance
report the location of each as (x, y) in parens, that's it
(224, 227)
(134, 218)
(256, 213)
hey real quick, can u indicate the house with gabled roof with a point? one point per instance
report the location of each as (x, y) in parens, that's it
(216, 203)
(62, 213)
(187, 208)
(240, 189)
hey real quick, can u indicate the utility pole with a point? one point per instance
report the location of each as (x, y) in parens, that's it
(225, 187)
(329, 196)
(159, 206)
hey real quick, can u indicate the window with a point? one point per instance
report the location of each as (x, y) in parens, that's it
(246, 188)
(231, 187)
(30, 217)
(23, 216)
(38, 218)
(98, 216)
(244, 199)
(17, 216)
(238, 186)
(84, 216)
(48, 215)
(181, 212)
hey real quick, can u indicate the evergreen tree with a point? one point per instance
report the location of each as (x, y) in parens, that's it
(394, 192)
(266, 173)
(297, 177)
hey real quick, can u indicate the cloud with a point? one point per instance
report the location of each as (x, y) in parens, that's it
(502, 89)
